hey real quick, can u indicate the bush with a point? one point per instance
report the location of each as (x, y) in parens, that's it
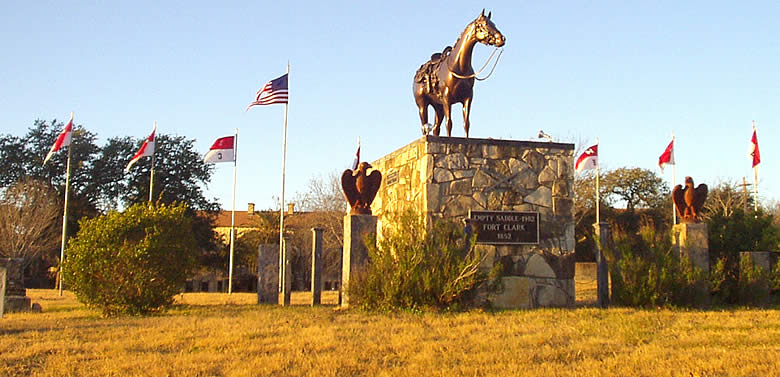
(728, 236)
(411, 268)
(131, 262)
(650, 272)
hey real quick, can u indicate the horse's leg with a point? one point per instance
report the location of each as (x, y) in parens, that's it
(439, 117)
(423, 115)
(447, 113)
(466, 111)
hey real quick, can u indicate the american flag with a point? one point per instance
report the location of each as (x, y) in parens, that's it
(275, 91)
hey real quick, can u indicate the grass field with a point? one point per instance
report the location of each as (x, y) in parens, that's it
(220, 335)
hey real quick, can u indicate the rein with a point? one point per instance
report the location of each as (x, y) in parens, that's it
(474, 75)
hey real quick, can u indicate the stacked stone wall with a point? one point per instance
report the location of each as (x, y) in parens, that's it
(444, 178)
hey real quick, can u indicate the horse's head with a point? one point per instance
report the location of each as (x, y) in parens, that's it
(486, 32)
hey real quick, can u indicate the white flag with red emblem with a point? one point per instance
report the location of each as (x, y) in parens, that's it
(667, 158)
(63, 140)
(588, 159)
(146, 150)
(223, 150)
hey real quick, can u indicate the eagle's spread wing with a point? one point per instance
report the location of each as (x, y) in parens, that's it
(701, 195)
(678, 196)
(374, 180)
(349, 187)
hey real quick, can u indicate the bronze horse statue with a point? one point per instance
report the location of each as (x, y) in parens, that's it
(448, 77)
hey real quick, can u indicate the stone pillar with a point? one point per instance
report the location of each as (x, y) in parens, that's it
(267, 274)
(16, 299)
(316, 266)
(285, 276)
(691, 241)
(355, 253)
(603, 247)
(2, 290)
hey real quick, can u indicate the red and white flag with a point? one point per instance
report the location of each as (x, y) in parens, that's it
(223, 150)
(63, 140)
(588, 159)
(667, 158)
(357, 157)
(146, 150)
(754, 153)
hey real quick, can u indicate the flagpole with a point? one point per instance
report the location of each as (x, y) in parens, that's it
(233, 215)
(674, 183)
(65, 210)
(281, 200)
(151, 173)
(598, 173)
(755, 179)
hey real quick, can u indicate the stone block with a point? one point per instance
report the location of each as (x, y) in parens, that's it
(541, 197)
(538, 267)
(546, 177)
(551, 293)
(442, 175)
(460, 187)
(514, 293)
(535, 160)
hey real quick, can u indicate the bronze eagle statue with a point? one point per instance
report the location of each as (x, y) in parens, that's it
(360, 188)
(689, 201)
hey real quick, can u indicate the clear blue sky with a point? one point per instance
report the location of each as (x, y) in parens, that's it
(630, 74)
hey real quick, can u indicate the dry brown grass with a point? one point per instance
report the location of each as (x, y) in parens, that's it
(220, 335)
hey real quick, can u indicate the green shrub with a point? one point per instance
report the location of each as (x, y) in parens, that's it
(728, 236)
(411, 268)
(131, 262)
(649, 272)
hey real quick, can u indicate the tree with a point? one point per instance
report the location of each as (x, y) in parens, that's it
(29, 214)
(637, 188)
(725, 198)
(140, 267)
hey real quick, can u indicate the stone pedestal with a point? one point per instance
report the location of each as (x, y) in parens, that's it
(603, 248)
(444, 178)
(268, 274)
(2, 290)
(16, 299)
(692, 242)
(355, 253)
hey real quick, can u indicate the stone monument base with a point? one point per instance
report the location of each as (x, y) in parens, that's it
(448, 178)
(355, 253)
(692, 242)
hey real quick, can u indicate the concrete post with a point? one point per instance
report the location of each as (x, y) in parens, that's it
(316, 266)
(2, 290)
(603, 244)
(267, 274)
(355, 253)
(285, 276)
